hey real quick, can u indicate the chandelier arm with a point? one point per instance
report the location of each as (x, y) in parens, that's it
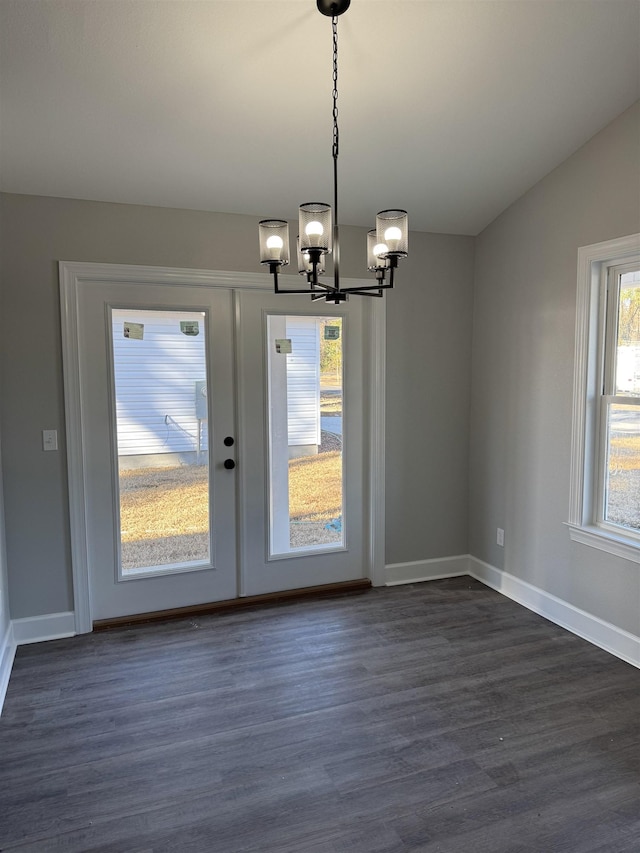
(273, 268)
(325, 287)
(393, 264)
(365, 289)
(296, 290)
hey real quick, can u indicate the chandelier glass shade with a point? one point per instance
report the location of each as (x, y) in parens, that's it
(318, 232)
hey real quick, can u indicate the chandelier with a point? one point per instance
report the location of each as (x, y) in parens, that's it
(318, 224)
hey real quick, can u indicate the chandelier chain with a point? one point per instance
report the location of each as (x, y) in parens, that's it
(334, 26)
(336, 238)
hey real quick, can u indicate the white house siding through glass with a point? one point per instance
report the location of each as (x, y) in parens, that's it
(160, 379)
(158, 371)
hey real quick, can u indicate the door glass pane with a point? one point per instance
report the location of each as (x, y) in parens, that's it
(305, 433)
(161, 427)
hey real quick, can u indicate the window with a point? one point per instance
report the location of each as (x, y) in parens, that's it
(605, 473)
(618, 492)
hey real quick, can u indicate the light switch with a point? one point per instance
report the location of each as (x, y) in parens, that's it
(49, 439)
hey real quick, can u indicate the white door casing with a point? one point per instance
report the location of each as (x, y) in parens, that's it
(75, 278)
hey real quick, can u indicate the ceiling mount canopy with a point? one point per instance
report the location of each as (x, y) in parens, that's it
(318, 223)
(333, 8)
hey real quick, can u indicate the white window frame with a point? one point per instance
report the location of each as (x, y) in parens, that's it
(585, 523)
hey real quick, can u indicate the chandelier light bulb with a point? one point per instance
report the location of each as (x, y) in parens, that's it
(393, 234)
(381, 248)
(314, 229)
(275, 244)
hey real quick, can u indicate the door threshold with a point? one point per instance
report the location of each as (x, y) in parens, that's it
(228, 606)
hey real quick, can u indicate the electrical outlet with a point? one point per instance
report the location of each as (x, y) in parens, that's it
(49, 439)
(500, 537)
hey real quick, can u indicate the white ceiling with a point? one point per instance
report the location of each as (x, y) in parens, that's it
(449, 109)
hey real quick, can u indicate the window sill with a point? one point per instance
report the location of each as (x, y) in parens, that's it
(604, 540)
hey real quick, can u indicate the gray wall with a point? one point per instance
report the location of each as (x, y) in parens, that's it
(4, 578)
(429, 319)
(427, 409)
(522, 373)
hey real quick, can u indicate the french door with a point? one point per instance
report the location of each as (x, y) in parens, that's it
(302, 495)
(143, 507)
(220, 436)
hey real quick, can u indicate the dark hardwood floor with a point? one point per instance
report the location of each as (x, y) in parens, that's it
(432, 717)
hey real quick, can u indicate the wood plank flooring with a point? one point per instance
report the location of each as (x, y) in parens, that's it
(431, 717)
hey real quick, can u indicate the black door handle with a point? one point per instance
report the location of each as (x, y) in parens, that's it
(229, 464)
(228, 442)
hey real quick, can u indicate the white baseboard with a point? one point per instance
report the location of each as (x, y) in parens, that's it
(426, 570)
(7, 654)
(603, 634)
(36, 629)
(33, 629)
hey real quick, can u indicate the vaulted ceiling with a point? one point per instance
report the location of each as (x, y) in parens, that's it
(449, 109)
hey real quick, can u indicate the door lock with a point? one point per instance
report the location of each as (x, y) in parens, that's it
(228, 442)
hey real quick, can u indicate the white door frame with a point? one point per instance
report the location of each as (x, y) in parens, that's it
(74, 275)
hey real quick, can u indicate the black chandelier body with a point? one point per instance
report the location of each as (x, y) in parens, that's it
(319, 234)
